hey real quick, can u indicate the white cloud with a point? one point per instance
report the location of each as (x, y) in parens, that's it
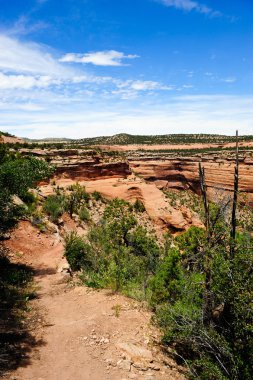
(99, 58)
(23, 26)
(190, 5)
(147, 85)
(32, 58)
(25, 81)
(229, 80)
(130, 89)
(183, 114)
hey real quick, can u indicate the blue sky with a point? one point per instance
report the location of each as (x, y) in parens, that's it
(78, 68)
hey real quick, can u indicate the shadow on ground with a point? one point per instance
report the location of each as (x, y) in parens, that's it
(16, 339)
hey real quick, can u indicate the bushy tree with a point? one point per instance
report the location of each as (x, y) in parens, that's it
(17, 175)
(77, 252)
(76, 198)
(54, 206)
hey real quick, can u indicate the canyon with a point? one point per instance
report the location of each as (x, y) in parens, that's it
(178, 172)
(148, 175)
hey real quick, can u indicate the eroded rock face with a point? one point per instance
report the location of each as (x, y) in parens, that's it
(81, 165)
(157, 206)
(10, 140)
(183, 173)
(180, 173)
(91, 169)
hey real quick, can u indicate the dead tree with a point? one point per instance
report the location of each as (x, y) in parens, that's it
(235, 199)
(205, 201)
(207, 307)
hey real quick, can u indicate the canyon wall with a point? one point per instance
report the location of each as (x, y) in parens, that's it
(82, 170)
(179, 173)
(183, 173)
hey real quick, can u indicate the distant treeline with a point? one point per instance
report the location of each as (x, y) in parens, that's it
(126, 139)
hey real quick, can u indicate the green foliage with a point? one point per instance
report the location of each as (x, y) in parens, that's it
(146, 248)
(122, 255)
(139, 206)
(216, 343)
(15, 290)
(84, 214)
(168, 280)
(191, 244)
(77, 197)
(54, 206)
(17, 175)
(190, 272)
(119, 220)
(97, 196)
(77, 252)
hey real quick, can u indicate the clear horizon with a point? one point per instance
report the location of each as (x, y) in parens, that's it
(97, 68)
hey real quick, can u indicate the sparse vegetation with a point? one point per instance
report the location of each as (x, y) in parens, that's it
(98, 196)
(84, 214)
(201, 296)
(199, 283)
(17, 175)
(54, 206)
(139, 206)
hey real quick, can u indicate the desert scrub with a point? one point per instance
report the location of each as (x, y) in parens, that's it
(54, 206)
(77, 252)
(84, 214)
(76, 198)
(15, 292)
(119, 253)
(139, 206)
(98, 196)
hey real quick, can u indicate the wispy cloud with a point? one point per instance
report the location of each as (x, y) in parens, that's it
(182, 114)
(229, 80)
(25, 81)
(29, 57)
(23, 26)
(99, 58)
(190, 5)
(28, 69)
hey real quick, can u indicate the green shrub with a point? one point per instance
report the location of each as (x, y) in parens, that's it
(166, 285)
(139, 206)
(54, 206)
(77, 252)
(98, 196)
(84, 214)
(76, 199)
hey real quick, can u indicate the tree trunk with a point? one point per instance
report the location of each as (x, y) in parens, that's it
(233, 218)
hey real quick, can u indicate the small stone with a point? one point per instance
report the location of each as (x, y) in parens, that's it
(141, 366)
(154, 367)
(124, 364)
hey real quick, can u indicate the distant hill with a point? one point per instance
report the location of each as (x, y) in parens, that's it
(127, 139)
(7, 138)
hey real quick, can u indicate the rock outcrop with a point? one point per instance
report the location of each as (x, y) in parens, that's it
(10, 140)
(92, 169)
(81, 165)
(182, 173)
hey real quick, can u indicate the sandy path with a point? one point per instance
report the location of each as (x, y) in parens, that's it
(83, 337)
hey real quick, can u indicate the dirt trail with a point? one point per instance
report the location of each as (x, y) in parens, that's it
(87, 334)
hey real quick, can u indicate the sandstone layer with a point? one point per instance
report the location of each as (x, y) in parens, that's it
(158, 208)
(183, 173)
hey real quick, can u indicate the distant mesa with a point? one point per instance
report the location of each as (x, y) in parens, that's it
(128, 139)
